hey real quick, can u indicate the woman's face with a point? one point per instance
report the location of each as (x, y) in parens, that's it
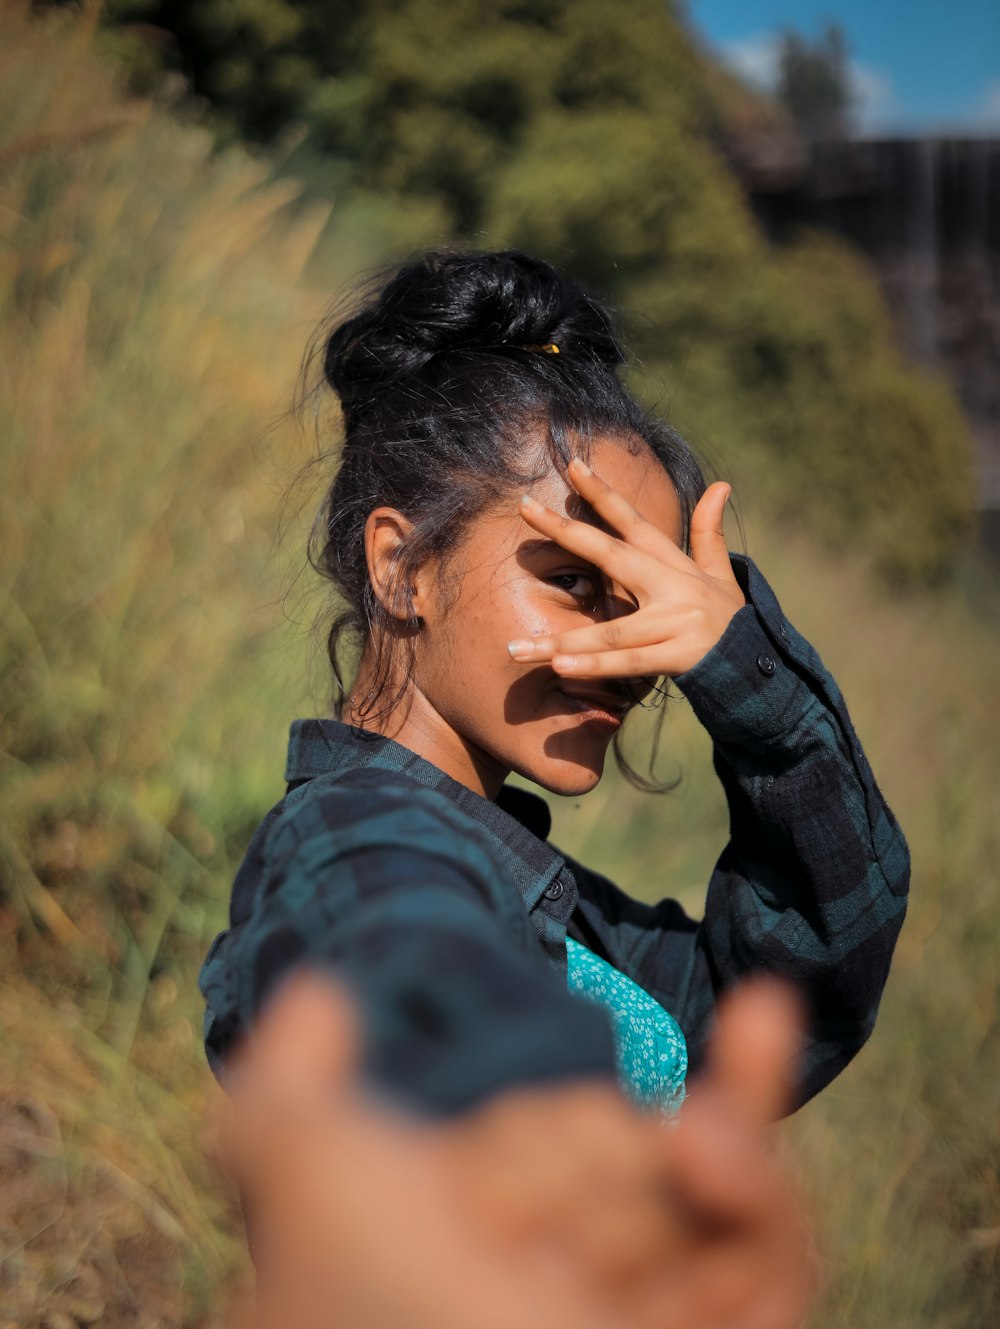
(475, 712)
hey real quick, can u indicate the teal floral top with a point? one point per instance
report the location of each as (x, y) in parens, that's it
(651, 1050)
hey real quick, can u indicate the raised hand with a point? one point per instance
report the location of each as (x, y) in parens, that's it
(682, 604)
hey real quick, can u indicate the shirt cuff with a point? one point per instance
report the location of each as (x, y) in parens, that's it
(746, 689)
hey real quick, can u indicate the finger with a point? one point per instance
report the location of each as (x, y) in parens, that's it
(303, 1045)
(708, 538)
(621, 516)
(290, 1083)
(716, 1156)
(717, 1173)
(645, 627)
(752, 1052)
(635, 662)
(620, 561)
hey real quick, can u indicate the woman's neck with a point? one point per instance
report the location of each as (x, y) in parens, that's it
(414, 723)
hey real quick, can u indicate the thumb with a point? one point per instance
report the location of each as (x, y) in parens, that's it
(708, 538)
(716, 1162)
(291, 1076)
(754, 1045)
(304, 1044)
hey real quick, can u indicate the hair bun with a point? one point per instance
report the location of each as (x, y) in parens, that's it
(458, 302)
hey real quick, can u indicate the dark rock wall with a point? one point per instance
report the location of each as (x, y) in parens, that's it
(927, 214)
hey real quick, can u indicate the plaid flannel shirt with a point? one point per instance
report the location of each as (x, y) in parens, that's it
(447, 913)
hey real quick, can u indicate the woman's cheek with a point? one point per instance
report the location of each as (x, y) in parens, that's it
(540, 628)
(525, 619)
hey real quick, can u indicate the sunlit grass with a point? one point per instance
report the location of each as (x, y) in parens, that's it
(152, 320)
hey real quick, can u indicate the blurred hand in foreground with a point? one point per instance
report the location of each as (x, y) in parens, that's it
(556, 1207)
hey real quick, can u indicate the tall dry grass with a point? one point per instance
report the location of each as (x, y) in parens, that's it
(153, 310)
(152, 319)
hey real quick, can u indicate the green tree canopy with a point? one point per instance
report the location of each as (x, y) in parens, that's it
(590, 132)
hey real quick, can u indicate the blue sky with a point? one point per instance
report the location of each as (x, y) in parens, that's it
(918, 66)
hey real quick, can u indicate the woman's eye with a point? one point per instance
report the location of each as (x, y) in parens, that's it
(577, 584)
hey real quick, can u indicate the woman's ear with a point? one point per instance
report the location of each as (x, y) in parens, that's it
(386, 535)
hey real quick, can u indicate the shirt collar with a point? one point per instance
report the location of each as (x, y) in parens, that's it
(520, 820)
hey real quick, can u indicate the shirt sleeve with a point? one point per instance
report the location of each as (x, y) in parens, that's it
(386, 883)
(812, 884)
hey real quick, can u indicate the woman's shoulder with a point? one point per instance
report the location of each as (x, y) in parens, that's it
(360, 794)
(395, 821)
(362, 808)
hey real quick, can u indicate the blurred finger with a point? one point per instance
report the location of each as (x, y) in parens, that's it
(718, 1168)
(302, 1047)
(757, 1037)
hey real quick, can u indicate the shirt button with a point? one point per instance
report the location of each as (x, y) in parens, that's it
(554, 890)
(784, 631)
(766, 665)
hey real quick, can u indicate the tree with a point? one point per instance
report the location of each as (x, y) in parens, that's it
(814, 83)
(260, 63)
(584, 130)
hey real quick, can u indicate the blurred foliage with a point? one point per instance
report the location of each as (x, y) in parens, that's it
(263, 63)
(155, 297)
(588, 132)
(151, 323)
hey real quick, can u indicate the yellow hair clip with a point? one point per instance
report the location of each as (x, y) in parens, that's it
(549, 346)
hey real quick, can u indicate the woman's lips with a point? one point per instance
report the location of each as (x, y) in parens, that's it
(588, 709)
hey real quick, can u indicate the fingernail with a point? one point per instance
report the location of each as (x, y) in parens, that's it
(531, 504)
(582, 466)
(521, 649)
(564, 662)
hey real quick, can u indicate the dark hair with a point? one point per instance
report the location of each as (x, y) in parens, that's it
(440, 370)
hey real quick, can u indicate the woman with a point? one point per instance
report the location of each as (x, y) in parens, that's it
(506, 534)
